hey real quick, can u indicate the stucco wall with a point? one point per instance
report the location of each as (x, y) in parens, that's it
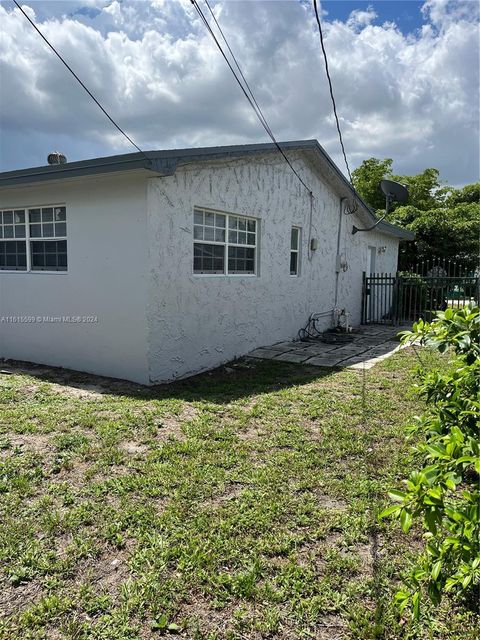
(197, 322)
(106, 277)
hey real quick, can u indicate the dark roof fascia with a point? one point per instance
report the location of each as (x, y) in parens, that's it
(384, 226)
(98, 166)
(398, 232)
(165, 163)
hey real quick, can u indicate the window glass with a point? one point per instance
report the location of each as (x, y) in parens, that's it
(48, 222)
(49, 255)
(218, 251)
(294, 251)
(33, 237)
(241, 260)
(208, 258)
(13, 255)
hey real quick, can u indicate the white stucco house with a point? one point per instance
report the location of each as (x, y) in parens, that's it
(155, 269)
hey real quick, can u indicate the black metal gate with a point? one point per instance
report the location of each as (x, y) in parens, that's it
(406, 297)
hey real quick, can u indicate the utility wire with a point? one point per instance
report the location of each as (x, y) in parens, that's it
(265, 123)
(79, 81)
(251, 100)
(331, 89)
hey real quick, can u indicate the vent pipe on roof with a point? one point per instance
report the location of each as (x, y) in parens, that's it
(56, 158)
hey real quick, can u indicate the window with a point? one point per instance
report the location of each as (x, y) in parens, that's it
(44, 244)
(13, 252)
(223, 243)
(295, 251)
(49, 251)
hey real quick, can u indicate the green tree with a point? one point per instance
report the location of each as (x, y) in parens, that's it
(443, 232)
(446, 221)
(424, 189)
(470, 193)
(366, 179)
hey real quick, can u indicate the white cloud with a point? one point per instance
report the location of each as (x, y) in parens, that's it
(411, 97)
(358, 19)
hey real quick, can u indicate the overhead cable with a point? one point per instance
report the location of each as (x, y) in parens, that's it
(247, 91)
(327, 70)
(79, 80)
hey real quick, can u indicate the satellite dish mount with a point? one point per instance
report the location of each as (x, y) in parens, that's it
(394, 192)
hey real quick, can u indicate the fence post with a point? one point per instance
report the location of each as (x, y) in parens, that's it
(398, 288)
(364, 296)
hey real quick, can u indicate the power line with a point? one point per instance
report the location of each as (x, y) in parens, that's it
(331, 89)
(79, 81)
(251, 99)
(238, 67)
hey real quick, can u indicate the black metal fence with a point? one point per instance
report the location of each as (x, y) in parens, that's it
(407, 296)
(435, 267)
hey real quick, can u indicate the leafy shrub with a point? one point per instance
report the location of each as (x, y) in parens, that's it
(443, 494)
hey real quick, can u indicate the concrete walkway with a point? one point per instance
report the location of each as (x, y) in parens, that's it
(371, 344)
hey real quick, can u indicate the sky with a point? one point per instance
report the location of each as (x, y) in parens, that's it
(405, 75)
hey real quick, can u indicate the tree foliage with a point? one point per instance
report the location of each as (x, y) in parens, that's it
(446, 221)
(442, 495)
(366, 179)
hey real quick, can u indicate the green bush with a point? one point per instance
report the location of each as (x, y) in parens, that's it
(442, 494)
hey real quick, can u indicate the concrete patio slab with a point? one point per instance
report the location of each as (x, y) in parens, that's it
(265, 354)
(293, 356)
(319, 361)
(369, 346)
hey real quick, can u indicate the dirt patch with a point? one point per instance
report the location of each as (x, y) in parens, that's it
(107, 572)
(13, 599)
(325, 501)
(366, 554)
(88, 391)
(331, 628)
(71, 382)
(313, 552)
(29, 442)
(111, 572)
(134, 448)
(74, 475)
(197, 614)
(188, 413)
(171, 426)
(251, 432)
(232, 492)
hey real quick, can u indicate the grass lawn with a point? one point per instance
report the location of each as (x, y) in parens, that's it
(240, 504)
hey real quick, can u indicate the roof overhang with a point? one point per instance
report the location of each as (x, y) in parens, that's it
(166, 162)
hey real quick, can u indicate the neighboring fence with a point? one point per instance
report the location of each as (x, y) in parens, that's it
(408, 296)
(436, 267)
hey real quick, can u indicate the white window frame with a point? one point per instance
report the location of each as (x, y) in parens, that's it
(14, 238)
(227, 244)
(28, 239)
(297, 251)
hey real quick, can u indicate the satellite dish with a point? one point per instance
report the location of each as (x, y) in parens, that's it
(394, 191)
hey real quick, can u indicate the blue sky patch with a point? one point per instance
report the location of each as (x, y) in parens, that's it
(406, 14)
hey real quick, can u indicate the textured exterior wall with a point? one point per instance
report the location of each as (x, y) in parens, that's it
(197, 322)
(106, 277)
(130, 250)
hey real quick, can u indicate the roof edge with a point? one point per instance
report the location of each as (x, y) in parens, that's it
(165, 162)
